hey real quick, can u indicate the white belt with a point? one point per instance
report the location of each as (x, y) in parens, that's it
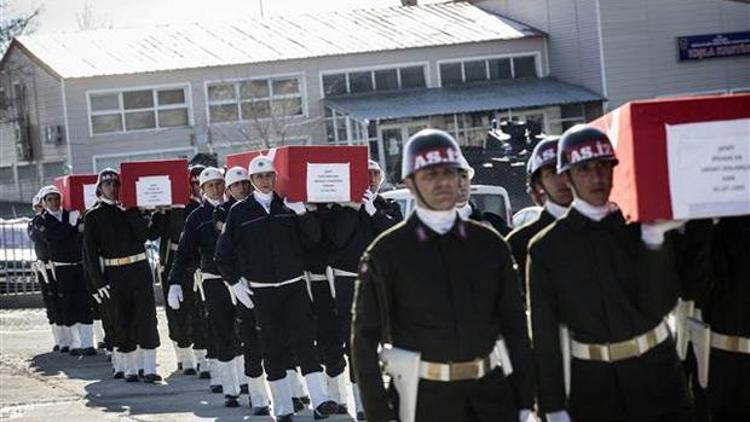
(472, 370)
(727, 343)
(125, 260)
(173, 246)
(630, 348)
(63, 264)
(257, 285)
(343, 273)
(209, 276)
(317, 277)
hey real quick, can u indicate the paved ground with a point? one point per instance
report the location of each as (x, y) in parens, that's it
(39, 385)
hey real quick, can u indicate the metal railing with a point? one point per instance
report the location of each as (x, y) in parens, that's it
(16, 258)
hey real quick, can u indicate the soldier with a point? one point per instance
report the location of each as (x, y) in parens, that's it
(468, 209)
(60, 230)
(440, 292)
(260, 248)
(351, 229)
(47, 284)
(727, 313)
(610, 285)
(544, 180)
(184, 331)
(117, 235)
(249, 363)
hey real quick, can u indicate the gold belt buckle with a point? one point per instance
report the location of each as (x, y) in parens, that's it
(623, 350)
(733, 343)
(464, 371)
(596, 352)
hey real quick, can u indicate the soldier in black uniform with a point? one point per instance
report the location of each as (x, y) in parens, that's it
(467, 209)
(197, 243)
(610, 286)
(60, 230)
(727, 311)
(47, 283)
(118, 235)
(351, 228)
(260, 248)
(184, 331)
(249, 363)
(543, 179)
(443, 293)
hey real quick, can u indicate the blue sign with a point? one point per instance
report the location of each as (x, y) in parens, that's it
(712, 46)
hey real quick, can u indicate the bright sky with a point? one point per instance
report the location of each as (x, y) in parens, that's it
(60, 15)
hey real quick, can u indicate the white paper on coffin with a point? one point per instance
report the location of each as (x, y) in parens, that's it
(709, 168)
(89, 195)
(153, 191)
(328, 182)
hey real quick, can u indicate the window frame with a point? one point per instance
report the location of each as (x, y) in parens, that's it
(187, 104)
(301, 81)
(462, 60)
(425, 65)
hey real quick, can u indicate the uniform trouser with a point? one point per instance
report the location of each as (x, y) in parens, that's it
(729, 386)
(285, 313)
(222, 316)
(199, 321)
(329, 341)
(489, 399)
(251, 346)
(699, 394)
(344, 298)
(108, 324)
(132, 291)
(50, 299)
(74, 295)
(179, 322)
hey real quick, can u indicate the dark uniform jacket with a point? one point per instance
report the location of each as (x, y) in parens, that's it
(110, 232)
(448, 296)
(263, 247)
(494, 220)
(318, 257)
(40, 248)
(222, 211)
(64, 241)
(600, 280)
(167, 227)
(197, 243)
(351, 231)
(727, 311)
(519, 239)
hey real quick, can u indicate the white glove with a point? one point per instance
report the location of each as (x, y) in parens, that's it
(526, 415)
(243, 293)
(297, 207)
(369, 202)
(559, 416)
(73, 217)
(653, 233)
(103, 292)
(174, 297)
(97, 298)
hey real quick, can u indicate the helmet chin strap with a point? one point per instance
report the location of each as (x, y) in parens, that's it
(422, 201)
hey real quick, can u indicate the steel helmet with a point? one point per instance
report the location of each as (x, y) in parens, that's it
(429, 148)
(236, 174)
(582, 143)
(107, 174)
(544, 154)
(373, 165)
(49, 190)
(36, 200)
(261, 164)
(208, 174)
(466, 167)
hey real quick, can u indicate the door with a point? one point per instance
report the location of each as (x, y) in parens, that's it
(393, 137)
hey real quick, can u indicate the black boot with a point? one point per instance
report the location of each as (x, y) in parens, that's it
(285, 418)
(189, 371)
(216, 389)
(56, 348)
(179, 366)
(361, 416)
(118, 375)
(152, 378)
(244, 389)
(76, 352)
(341, 409)
(231, 401)
(89, 351)
(132, 378)
(325, 409)
(298, 404)
(65, 349)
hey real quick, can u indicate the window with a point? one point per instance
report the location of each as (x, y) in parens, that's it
(450, 74)
(493, 69)
(524, 67)
(141, 109)
(254, 99)
(374, 80)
